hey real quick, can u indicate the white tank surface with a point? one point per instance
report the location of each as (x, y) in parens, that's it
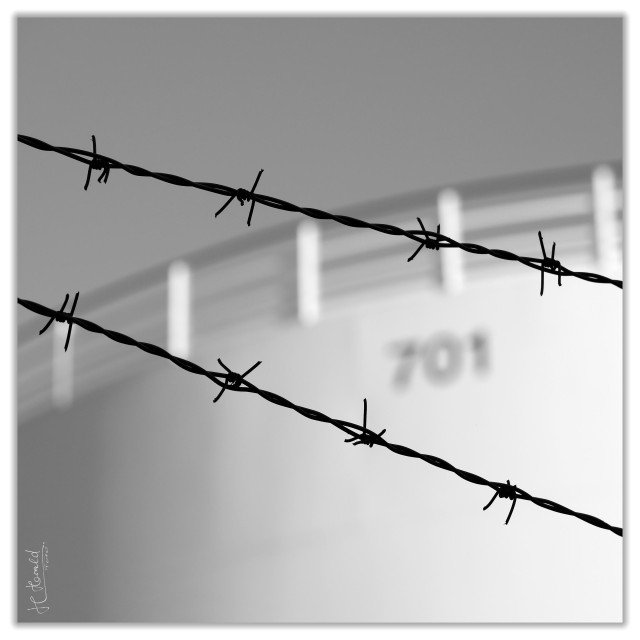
(157, 505)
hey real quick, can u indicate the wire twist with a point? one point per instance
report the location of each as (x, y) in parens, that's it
(230, 380)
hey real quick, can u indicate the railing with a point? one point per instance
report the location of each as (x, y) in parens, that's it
(300, 271)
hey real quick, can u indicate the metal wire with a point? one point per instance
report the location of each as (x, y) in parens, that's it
(359, 434)
(429, 239)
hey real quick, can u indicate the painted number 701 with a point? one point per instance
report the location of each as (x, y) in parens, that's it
(441, 358)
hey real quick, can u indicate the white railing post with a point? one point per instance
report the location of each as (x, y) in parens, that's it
(308, 272)
(451, 260)
(179, 309)
(605, 204)
(62, 366)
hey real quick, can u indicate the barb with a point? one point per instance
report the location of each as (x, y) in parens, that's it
(229, 380)
(427, 242)
(366, 437)
(549, 263)
(234, 380)
(416, 235)
(97, 163)
(505, 491)
(60, 316)
(242, 195)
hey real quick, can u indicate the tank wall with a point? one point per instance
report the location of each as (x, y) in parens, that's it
(157, 505)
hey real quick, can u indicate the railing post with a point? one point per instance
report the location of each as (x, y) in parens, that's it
(179, 309)
(62, 366)
(308, 272)
(451, 260)
(605, 196)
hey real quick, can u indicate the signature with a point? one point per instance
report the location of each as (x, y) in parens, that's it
(37, 584)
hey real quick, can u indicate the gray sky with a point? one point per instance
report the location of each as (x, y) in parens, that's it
(336, 111)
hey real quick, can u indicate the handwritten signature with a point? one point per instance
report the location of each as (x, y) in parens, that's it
(37, 584)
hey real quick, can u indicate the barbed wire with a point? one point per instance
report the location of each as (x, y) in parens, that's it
(429, 239)
(358, 434)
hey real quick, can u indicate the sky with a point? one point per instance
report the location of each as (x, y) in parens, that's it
(336, 111)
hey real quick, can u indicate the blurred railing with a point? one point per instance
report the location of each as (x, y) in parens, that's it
(302, 270)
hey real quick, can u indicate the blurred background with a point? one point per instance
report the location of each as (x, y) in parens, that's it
(156, 505)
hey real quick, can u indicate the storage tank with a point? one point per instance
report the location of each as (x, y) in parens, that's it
(157, 505)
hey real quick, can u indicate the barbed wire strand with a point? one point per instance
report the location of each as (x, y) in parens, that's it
(358, 434)
(429, 239)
